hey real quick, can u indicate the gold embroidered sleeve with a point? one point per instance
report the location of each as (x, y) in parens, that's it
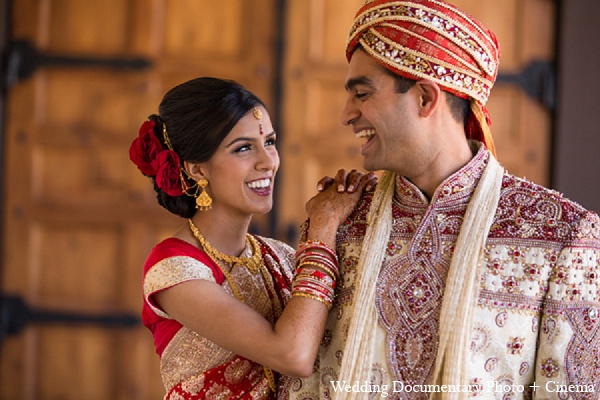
(170, 272)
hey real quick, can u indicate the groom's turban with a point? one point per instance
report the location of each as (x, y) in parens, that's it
(433, 40)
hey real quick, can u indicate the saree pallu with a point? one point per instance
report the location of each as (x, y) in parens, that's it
(239, 378)
(193, 367)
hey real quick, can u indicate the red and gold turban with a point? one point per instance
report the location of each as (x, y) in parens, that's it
(431, 39)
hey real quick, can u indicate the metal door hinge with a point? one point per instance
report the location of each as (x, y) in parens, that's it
(21, 59)
(538, 80)
(15, 315)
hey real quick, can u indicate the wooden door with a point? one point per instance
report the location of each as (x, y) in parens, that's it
(79, 219)
(315, 142)
(521, 105)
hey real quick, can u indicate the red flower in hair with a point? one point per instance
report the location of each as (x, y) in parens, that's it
(145, 148)
(168, 177)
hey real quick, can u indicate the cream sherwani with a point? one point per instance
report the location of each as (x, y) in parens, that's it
(536, 326)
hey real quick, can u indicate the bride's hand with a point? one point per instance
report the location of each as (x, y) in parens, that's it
(348, 181)
(337, 198)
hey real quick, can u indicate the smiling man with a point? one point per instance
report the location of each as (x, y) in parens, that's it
(459, 279)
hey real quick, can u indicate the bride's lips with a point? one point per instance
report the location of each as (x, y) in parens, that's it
(261, 187)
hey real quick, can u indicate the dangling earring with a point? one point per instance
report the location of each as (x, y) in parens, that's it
(203, 200)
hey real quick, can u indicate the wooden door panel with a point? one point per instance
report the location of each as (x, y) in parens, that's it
(329, 26)
(83, 357)
(537, 30)
(84, 27)
(521, 125)
(87, 120)
(314, 74)
(84, 264)
(229, 39)
(18, 190)
(205, 28)
(521, 128)
(79, 217)
(105, 99)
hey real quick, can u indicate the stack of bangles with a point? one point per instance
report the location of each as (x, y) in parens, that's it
(316, 273)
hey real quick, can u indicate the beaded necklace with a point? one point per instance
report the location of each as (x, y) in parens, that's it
(253, 263)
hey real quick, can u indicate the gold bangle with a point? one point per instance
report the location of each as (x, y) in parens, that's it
(314, 297)
(323, 267)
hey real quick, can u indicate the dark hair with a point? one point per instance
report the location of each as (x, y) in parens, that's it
(459, 107)
(402, 84)
(198, 115)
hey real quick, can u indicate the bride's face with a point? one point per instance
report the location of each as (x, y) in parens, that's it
(242, 171)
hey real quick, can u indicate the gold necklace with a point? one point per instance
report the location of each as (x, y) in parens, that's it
(253, 262)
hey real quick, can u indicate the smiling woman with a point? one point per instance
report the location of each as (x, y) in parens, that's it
(230, 310)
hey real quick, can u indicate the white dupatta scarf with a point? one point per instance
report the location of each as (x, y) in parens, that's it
(460, 294)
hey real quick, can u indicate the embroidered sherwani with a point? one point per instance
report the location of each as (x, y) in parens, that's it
(536, 326)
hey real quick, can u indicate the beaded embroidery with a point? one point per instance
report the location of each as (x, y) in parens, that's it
(526, 251)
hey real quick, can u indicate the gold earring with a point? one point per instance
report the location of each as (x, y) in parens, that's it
(203, 200)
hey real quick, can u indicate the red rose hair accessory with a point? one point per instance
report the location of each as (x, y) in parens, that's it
(147, 153)
(145, 148)
(168, 174)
